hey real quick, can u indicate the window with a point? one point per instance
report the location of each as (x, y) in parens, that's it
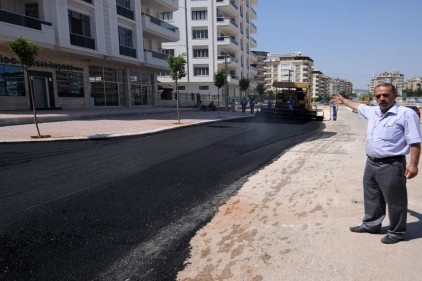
(200, 71)
(200, 34)
(169, 52)
(123, 3)
(125, 37)
(70, 84)
(200, 53)
(31, 10)
(204, 88)
(181, 88)
(12, 82)
(199, 15)
(80, 30)
(167, 16)
(79, 24)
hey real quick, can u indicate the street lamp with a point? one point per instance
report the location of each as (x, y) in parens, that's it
(227, 82)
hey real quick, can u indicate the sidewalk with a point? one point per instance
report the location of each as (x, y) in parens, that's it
(290, 220)
(18, 126)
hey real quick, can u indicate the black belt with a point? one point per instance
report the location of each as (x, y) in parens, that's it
(386, 159)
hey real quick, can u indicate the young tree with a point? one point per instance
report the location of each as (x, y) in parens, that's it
(244, 84)
(177, 65)
(26, 52)
(219, 81)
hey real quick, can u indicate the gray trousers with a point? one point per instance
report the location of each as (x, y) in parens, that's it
(384, 183)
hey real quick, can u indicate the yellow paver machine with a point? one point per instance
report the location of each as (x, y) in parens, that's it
(294, 96)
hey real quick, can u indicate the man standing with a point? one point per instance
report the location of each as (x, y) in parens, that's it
(393, 131)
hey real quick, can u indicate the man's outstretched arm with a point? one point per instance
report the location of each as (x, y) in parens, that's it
(339, 99)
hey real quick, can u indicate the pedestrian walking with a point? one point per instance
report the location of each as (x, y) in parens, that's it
(252, 104)
(243, 103)
(393, 131)
(233, 105)
(290, 112)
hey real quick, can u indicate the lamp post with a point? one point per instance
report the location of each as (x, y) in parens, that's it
(227, 82)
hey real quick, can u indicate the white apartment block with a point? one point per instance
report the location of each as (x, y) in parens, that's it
(395, 78)
(320, 85)
(92, 53)
(291, 67)
(214, 35)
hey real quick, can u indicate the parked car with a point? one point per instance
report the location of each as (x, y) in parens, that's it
(415, 108)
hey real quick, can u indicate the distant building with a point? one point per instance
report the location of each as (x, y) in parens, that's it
(413, 84)
(395, 78)
(260, 66)
(340, 86)
(320, 85)
(291, 67)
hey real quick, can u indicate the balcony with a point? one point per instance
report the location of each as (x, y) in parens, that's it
(253, 43)
(30, 28)
(126, 51)
(159, 30)
(252, 14)
(252, 28)
(227, 44)
(227, 8)
(82, 41)
(156, 59)
(162, 5)
(125, 12)
(227, 26)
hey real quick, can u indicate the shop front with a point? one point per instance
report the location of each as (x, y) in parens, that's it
(70, 83)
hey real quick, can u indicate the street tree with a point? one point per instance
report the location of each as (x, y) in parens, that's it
(220, 80)
(27, 51)
(244, 84)
(177, 65)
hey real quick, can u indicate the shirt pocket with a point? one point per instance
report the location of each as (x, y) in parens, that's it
(387, 132)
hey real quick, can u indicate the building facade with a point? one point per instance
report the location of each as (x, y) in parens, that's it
(320, 85)
(395, 78)
(92, 53)
(291, 67)
(214, 36)
(340, 86)
(413, 84)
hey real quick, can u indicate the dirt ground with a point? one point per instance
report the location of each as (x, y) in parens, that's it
(290, 220)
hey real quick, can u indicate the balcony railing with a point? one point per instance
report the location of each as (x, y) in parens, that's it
(21, 20)
(126, 51)
(161, 23)
(82, 41)
(125, 12)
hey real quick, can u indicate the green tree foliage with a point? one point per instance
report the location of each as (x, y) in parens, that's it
(177, 66)
(366, 97)
(219, 81)
(26, 52)
(261, 91)
(244, 84)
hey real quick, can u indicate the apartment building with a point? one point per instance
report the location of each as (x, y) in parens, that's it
(290, 67)
(261, 56)
(338, 85)
(214, 35)
(320, 85)
(92, 53)
(413, 84)
(395, 78)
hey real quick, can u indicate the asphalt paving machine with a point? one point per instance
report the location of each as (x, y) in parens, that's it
(295, 95)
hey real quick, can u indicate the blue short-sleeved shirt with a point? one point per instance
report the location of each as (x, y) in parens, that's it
(391, 134)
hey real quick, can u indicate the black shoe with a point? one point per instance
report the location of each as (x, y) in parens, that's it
(360, 229)
(390, 240)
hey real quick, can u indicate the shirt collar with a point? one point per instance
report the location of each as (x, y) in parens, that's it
(393, 110)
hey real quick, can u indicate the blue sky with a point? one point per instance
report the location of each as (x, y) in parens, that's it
(349, 39)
